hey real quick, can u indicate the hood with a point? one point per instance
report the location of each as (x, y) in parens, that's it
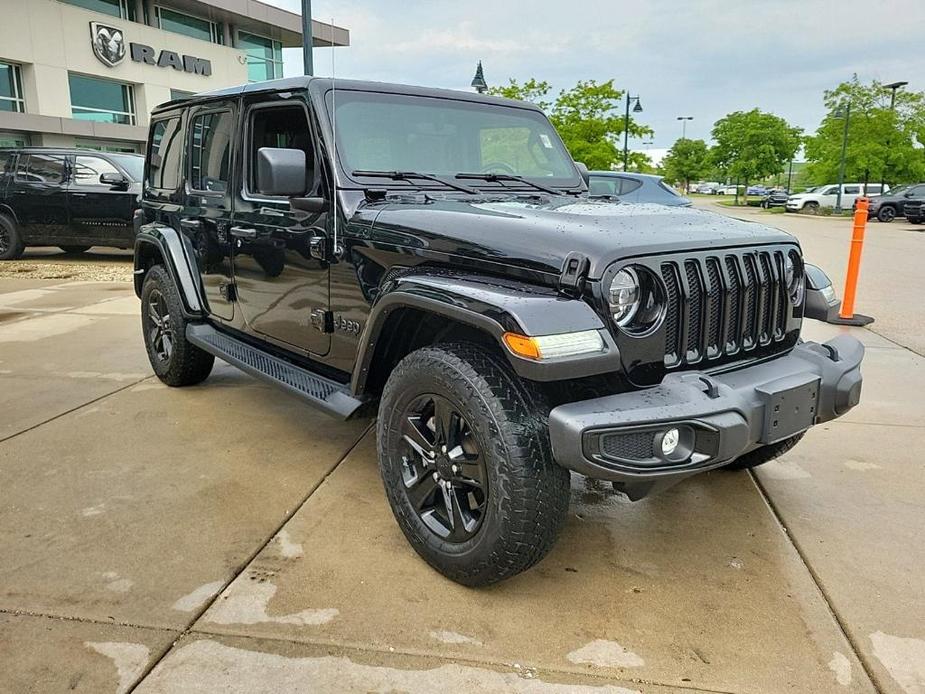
(538, 233)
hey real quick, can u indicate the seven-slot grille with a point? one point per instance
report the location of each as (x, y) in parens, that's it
(724, 304)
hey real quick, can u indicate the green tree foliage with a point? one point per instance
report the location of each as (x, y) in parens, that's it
(589, 118)
(752, 145)
(686, 161)
(881, 141)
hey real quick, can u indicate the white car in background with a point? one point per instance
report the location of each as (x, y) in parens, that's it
(708, 188)
(725, 190)
(827, 196)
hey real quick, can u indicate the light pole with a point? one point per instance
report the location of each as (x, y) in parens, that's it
(626, 127)
(893, 86)
(842, 112)
(790, 178)
(684, 120)
(479, 80)
(307, 39)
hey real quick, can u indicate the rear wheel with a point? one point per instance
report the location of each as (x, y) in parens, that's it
(175, 360)
(11, 245)
(74, 249)
(887, 213)
(765, 454)
(467, 466)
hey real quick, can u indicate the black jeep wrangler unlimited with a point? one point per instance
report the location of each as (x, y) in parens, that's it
(437, 253)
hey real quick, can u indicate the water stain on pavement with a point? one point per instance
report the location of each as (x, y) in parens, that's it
(245, 603)
(130, 660)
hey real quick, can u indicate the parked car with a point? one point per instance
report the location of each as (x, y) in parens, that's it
(70, 198)
(510, 328)
(708, 188)
(635, 187)
(827, 196)
(725, 190)
(756, 190)
(775, 198)
(915, 211)
(893, 204)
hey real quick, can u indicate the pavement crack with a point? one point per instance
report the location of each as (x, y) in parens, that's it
(247, 562)
(83, 620)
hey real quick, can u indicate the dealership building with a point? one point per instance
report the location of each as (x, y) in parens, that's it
(87, 73)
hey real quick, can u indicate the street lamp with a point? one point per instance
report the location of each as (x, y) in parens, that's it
(626, 126)
(842, 112)
(684, 120)
(893, 86)
(479, 80)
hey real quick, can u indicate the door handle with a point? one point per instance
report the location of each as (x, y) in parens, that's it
(79, 195)
(244, 232)
(190, 223)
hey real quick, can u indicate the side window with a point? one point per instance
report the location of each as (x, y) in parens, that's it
(41, 168)
(874, 189)
(852, 190)
(602, 186)
(210, 151)
(830, 190)
(917, 192)
(628, 185)
(87, 170)
(284, 126)
(6, 161)
(164, 155)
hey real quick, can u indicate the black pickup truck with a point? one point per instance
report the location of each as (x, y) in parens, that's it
(440, 259)
(70, 198)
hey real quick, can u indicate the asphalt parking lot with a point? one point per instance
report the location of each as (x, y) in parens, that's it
(228, 538)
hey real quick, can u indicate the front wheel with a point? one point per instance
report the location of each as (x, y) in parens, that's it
(765, 454)
(886, 213)
(467, 465)
(811, 208)
(175, 360)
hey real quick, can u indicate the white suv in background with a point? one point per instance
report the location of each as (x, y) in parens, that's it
(827, 196)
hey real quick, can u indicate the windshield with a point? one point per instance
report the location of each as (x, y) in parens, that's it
(446, 137)
(132, 163)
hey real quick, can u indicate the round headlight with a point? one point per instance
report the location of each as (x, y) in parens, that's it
(794, 278)
(624, 296)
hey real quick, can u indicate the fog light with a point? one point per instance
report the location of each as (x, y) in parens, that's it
(670, 441)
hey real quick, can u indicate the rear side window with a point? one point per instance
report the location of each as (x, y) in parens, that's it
(628, 185)
(854, 190)
(164, 154)
(41, 168)
(210, 151)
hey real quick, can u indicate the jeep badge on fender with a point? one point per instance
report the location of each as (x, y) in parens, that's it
(511, 329)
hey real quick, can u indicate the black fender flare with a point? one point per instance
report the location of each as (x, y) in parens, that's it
(494, 308)
(170, 246)
(8, 211)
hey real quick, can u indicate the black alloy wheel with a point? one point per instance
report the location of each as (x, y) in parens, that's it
(887, 213)
(160, 331)
(11, 245)
(443, 469)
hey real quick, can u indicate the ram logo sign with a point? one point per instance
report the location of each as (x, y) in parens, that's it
(109, 46)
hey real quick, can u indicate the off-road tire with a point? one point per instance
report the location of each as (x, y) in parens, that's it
(186, 364)
(74, 249)
(11, 245)
(528, 493)
(765, 454)
(886, 214)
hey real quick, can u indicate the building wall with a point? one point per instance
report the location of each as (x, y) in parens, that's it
(50, 39)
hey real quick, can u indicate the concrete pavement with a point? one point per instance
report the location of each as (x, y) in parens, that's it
(226, 537)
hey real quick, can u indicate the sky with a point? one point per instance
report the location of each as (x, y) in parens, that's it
(699, 58)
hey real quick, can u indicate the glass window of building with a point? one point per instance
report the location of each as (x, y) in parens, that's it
(124, 9)
(14, 139)
(164, 155)
(101, 100)
(11, 88)
(103, 146)
(188, 25)
(210, 152)
(264, 57)
(87, 170)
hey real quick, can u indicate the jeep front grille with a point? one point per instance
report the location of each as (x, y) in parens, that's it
(721, 305)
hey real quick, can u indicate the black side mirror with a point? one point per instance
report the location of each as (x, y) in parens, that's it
(583, 170)
(113, 179)
(281, 172)
(312, 205)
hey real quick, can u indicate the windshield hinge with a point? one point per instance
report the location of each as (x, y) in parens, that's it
(574, 273)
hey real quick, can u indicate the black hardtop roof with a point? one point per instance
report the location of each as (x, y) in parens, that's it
(324, 84)
(67, 150)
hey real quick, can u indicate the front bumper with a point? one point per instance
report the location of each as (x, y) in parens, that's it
(719, 417)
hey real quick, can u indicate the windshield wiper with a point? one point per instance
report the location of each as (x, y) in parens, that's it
(498, 177)
(414, 175)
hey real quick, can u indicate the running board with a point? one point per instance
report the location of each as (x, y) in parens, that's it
(333, 398)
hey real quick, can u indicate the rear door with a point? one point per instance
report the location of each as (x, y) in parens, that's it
(38, 196)
(99, 213)
(282, 289)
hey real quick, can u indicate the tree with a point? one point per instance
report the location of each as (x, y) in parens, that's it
(687, 160)
(881, 141)
(588, 117)
(752, 145)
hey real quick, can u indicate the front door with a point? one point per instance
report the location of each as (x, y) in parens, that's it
(39, 197)
(100, 213)
(282, 290)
